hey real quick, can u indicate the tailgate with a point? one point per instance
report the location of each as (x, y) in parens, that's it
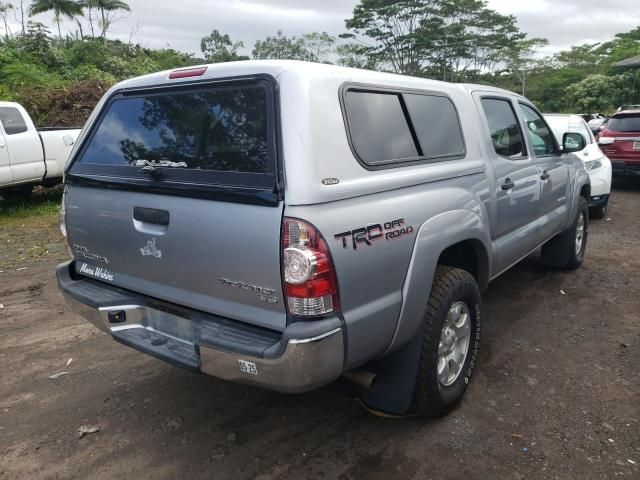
(173, 194)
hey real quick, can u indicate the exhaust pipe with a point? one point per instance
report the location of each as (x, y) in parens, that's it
(363, 378)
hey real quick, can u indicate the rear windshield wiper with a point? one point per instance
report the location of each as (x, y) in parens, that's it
(152, 167)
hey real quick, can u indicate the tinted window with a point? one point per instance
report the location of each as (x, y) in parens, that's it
(436, 123)
(540, 134)
(12, 120)
(626, 123)
(503, 125)
(219, 130)
(379, 129)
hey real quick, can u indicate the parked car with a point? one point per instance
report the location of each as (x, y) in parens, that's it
(587, 117)
(594, 120)
(620, 141)
(595, 161)
(28, 156)
(623, 108)
(283, 223)
(597, 125)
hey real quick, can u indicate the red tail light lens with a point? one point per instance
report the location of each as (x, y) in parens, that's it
(310, 285)
(186, 73)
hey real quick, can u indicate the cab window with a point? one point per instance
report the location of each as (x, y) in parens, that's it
(503, 126)
(12, 121)
(539, 132)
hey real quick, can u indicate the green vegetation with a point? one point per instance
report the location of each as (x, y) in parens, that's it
(41, 203)
(60, 78)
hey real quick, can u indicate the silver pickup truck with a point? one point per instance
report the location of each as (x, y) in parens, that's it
(282, 224)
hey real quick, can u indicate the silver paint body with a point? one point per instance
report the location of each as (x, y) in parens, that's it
(383, 288)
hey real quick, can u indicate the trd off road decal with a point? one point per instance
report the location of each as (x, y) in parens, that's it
(367, 235)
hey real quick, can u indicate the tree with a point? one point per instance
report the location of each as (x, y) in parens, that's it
(281, 47)
(217, 48)
(355, 55)
(5, 8)
(20, 16)
(61, 8)
(393, 26)
(36, 41)
(92, 16)
(438, 38)
(600, 93)
(110, 11)
(520, 58)
(319, 45)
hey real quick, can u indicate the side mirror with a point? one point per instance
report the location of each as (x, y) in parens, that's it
(606, 140)
(573, 142)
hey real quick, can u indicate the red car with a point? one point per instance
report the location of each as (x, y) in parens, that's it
(620, 141)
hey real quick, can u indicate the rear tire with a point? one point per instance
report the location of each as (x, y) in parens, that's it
(600, 211)
(438, 391)
(567, 249)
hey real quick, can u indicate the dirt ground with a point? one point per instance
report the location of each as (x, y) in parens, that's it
(556, 394)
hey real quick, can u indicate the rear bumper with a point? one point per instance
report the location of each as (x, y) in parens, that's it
(305, 356)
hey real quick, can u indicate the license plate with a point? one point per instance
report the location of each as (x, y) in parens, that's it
(248, 367)
(636, 145)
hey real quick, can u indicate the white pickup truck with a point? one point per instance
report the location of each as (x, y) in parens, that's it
(28, 156)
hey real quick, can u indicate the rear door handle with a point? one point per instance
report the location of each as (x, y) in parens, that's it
(508, 184)
(151, 215)
(545, 175)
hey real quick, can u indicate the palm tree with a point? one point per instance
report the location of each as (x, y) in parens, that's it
(106, 8)
(66, 8)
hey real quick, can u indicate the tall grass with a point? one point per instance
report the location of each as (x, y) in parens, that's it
(39, 203)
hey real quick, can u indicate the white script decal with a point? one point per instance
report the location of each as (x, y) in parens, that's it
(98, 272)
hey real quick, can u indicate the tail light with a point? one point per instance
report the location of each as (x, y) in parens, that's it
(187, 72)
(63, 220)
(63, 213)
(310, 285)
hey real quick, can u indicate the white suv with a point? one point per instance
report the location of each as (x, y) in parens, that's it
(596, 163)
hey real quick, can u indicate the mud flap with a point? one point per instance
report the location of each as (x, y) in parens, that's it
(395, 382)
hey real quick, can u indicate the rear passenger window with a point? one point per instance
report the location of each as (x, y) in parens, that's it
(437, 126)
(388, 127)
(503, 125)
(12, 120)
(379, 129)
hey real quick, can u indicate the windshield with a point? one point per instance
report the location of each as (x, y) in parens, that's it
(625, 123)
(561, 124)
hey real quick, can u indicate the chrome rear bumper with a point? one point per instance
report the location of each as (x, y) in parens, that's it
(303, 357)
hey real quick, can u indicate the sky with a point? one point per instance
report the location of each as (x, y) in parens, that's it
(181, 24)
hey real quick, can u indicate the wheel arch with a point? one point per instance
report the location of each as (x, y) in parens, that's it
(470, 255)
(581, 188)
(457, 238)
